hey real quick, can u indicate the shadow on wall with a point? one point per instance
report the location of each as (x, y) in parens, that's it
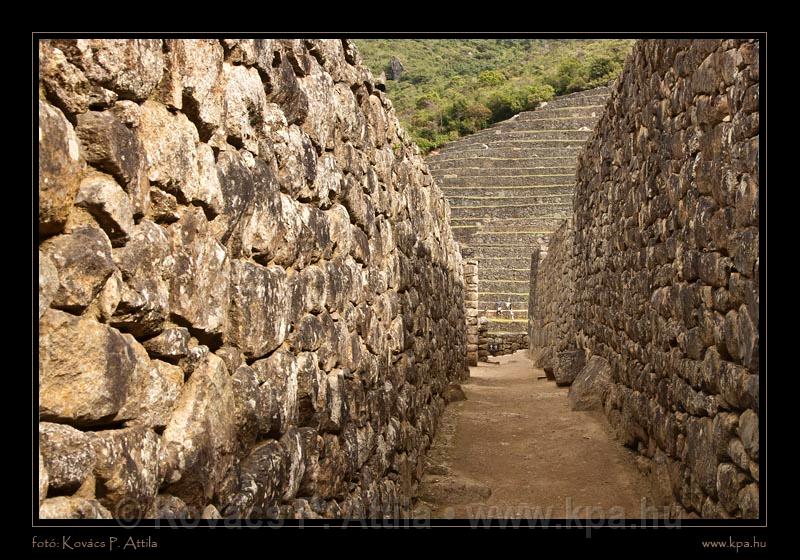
(250, 299)
(648, 300)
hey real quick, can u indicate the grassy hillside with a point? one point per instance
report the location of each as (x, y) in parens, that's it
(454, 87)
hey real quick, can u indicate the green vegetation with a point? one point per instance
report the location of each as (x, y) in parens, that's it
(454, 87)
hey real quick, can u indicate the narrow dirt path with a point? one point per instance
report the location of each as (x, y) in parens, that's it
(514, 449)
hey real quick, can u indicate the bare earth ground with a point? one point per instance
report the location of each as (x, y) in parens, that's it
(514, 449)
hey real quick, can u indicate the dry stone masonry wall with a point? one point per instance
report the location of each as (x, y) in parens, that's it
(509, 187)
(665, 257)
(250, 300)
(552, 333)
(472, 311)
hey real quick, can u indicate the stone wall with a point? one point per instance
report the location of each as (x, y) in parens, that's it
(250, 300)
(472, 311)
(552, 331)
(666, 277)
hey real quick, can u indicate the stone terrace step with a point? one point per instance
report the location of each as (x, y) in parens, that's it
(478, 238)
(542, 226)
(523, 133)
(537, 121)
(475, 171)
(521, 262)
(486, 273)
(505, 251)
(564, 122)
(518, 325)
(544, 223)
(596, 96)
(488, 301)
(480, 196)
(490, 312)
(502, 210)
(542, 179)
(547, 194)
(531, 141)
(532, 156)
(504, 285)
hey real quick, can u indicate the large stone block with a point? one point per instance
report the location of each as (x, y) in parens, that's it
(126, 466)
(148, 267)
(199, 287)
(258, 318)
(68, 457)
(177, 162)
(590, 386)
(567, 365)
(114, 148)
(89, 374)
(59, 168)
(199, 440)
(83, 262)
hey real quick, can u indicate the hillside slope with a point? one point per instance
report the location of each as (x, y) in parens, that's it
(448, 88)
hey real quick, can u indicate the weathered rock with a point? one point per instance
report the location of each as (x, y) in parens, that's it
(68, 456)
(171, 345)
(147, 266)
(263, 475)
(199, 289)
(591, 385)
(194, 358)
(65, 84)
(59, 169)
(168, 506)
(286, 91)
(259, 308)
(748, 432)
(248, 405)
(656, 269)
(109, 205)
(567, 365)
(454, 393)
(111, 146)
(84, 263)
(163, 207)
(297, 162)
(192, 81)
(210, 512)
(155, 394)
(106, 302)
(72, 508)
(749, 501)
(292, 442)
(177, 162)
(319, 124)
(729, 481)
(395, 69)
(247, 115)
(44, 479)
(127, 467)
(87, 371)
(738, 454)
(277, 376)
(131, 68)
(198, 442)
(48, 282)
(311, 390)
